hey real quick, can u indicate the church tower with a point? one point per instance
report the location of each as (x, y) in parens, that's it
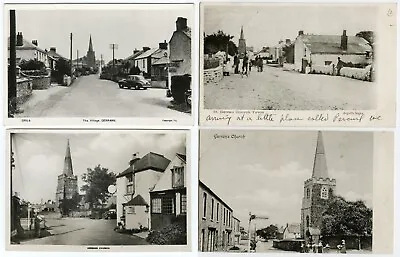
(317, 191)
(67, 185)
(242, 44)
(90, 56)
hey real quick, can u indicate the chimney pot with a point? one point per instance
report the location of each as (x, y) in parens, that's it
(35, 42)
(20, 39)
(343, 41)
(163, 45)
(53, 49)
(301, 32)
(145, 48)
(181, 24)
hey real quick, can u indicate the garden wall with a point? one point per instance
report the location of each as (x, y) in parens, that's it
(213, 75)
(357, 73)
(159, 84)
(24, 90)
(323, 69)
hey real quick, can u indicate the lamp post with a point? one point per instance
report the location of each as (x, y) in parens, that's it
(253, 217)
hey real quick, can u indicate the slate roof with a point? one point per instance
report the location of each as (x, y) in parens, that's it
(147, 53)
(55, 55)
(137, 201)
(151, 160)
(133, 56)
(182, 156)
(331, 44)
(188, 32)
(293, 228)
(27, 46)
(162, 61)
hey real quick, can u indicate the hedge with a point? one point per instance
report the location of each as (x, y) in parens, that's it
(172, 234)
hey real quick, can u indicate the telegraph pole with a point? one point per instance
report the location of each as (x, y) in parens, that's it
(12, 69)
(77, 58)
(70, 53)
(113, 46)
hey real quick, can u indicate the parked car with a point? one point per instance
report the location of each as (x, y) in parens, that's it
(110, 214)
(135, 82)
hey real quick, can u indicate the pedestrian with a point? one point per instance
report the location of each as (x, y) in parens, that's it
(37, 226)
(343, 247)
(236, 63)
(260, 64)
(245, 64)
(339, 66)
(320, 246)
(302, 248)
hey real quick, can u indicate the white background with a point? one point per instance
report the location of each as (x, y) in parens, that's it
(194, 143)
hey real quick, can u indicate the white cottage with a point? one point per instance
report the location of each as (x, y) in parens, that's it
(134, 186)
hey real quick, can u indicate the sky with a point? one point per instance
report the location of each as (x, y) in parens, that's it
(128, 27)
(39, 158)
(264, 173)
(265, 25)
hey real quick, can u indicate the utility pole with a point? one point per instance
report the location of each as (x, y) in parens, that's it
(77, 58)
(12, 68)
(113, 47)
(70, 53)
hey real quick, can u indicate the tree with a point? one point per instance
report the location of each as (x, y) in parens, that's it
(346, 218)
(367, 35)
(97, 182)
(219, 42)
(268, 232)
(32, 65)
(68, 205)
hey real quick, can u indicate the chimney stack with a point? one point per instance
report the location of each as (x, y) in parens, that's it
(34, 42)
(301, 32)
(163, 45)
(181, 24)
(135, 158)
(145, 48)
(20, 39)
(343, 41)
(53, 49)
(135, 51)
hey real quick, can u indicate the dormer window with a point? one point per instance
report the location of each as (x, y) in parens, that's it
(178, 177)
(368, 54)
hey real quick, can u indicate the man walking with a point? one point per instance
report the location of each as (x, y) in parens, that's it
(245, 64)
(236, 63)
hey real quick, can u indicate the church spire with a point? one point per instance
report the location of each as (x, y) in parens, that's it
(320, 169)
(68, 162)
(241, 33)
(90, 44)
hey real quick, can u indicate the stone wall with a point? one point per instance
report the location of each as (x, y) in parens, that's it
(24, 90)
(213, 75)
(288, 244)
(41, 82)
(159, 83)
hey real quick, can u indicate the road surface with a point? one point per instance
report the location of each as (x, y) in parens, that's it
(277, 89)
(85, 231)
(90, 96)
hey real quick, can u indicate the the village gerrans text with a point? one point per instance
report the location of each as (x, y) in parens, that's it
(271, 117)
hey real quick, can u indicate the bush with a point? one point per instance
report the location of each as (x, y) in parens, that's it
(32, 65)
(179, 86)
(173, 234)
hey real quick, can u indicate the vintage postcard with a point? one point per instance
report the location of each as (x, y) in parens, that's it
(103, 64)
(296, 191)
(89, 190)
(291, 64)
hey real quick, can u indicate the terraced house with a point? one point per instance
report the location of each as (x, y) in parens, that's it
(216, 222)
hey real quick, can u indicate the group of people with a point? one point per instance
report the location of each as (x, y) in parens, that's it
(243, 65)
(319, 248)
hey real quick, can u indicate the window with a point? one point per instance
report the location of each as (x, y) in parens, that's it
(131, 209)
(183, 203)
(167, 205)
(368, 54)
(307, 221)
(224, 216)
(324, 192)
(308, 193)
(204, 205)
(328, 62)
(217, 212)
(129, 189)
(156, 205)
(212, 208)
(177, 177)
(130, 178)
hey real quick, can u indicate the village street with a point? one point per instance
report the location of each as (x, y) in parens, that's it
(89, 96)
(84, 231)
(278, 89)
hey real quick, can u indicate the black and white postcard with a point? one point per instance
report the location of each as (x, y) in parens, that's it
(104, 64)
(298, 64)
(82, 191)
(295, 191)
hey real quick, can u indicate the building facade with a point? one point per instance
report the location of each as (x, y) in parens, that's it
(169, 197)
(317, 191)
(180, 47)
(323, 50)
(26, 50)
(91, 55)
(133, 189)
(216, 222)
(236, 231)
(67, 183)
(242, 44)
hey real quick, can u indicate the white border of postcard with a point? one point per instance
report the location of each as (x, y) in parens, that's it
(383, 116)
(100, 121)
(102, 248)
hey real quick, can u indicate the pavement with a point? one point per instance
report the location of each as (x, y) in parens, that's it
(89, 96)
(278, 89)
(84, 231)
